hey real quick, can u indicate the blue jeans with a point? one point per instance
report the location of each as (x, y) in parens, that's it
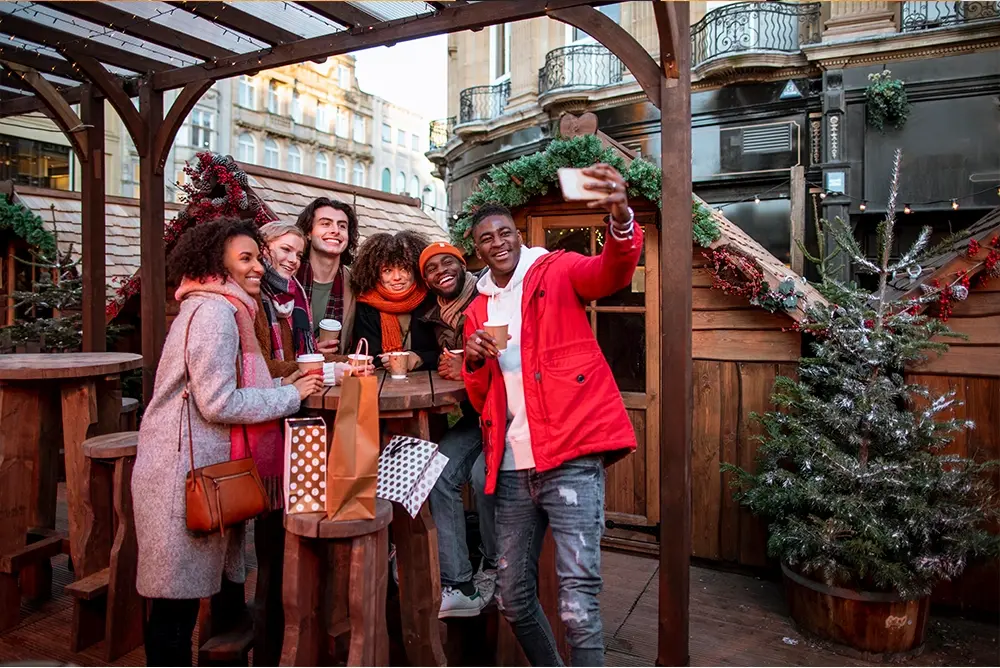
(570, 499)
(462, 444)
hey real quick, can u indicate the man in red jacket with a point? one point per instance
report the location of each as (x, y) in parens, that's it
(551, 414)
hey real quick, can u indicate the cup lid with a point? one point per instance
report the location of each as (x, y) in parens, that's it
(356, 356)
(398, 353)
(330, 325)
(313, 357)
(491, 323)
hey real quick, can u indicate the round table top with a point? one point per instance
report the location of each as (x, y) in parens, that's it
(420, 390)
(316, 525)
(56, 366)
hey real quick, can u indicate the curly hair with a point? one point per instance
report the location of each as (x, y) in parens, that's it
(306, 219)
(387, 250)
(199, 252)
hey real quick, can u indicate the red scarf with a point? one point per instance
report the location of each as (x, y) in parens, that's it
(390, 306)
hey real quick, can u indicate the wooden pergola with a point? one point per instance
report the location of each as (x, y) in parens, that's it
(57, 54)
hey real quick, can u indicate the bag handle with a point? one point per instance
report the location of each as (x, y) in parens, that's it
(356, 360)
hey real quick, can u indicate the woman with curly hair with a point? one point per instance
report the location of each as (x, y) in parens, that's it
(211, 381)
(386, 277)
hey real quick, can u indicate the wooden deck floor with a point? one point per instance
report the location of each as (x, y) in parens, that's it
(736, 620)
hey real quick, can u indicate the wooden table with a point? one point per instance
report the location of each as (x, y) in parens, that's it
(46, 400)
(406, 407)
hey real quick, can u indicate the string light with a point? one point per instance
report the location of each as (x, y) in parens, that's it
(822, 195)
(954, 204)
(907, 209)
(756, 199)
(863, 205)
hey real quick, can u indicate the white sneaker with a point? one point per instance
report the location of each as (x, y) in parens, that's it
(485, 580)
(456, 604)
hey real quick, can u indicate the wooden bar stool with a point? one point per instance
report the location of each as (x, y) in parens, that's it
(308, 541)
(106, 604)
(129, 417)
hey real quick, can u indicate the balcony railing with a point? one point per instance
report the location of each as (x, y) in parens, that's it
(483, 103)
(581, 65)
(926, 15)
(759, 27)
(441, 132)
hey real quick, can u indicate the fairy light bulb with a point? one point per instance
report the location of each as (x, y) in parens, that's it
(864, 205)
(756, 199)
(954, 204)
(907, 209)
(822, 195)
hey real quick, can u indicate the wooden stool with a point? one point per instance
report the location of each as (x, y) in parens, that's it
(128, 419)
(307, 542)
(106, 604)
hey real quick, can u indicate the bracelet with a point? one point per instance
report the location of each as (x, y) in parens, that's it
(626, 235)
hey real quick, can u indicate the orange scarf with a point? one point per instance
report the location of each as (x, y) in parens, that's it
(390, 306)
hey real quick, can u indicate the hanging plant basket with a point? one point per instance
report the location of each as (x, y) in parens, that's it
(885, 101)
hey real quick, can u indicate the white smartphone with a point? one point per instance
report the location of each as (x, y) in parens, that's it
(571, 182)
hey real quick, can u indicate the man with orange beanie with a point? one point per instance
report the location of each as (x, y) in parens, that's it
(465, 591)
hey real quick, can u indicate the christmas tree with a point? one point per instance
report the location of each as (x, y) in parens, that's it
(851, 469)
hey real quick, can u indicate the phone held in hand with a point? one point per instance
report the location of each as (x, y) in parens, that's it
(571, 182)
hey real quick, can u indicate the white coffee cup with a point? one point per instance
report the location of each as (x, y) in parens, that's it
(329, 329)
(311, 364)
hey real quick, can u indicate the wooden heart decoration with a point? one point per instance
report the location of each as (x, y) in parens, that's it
(577, 126)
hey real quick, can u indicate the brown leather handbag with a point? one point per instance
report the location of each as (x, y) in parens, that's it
(219, 495)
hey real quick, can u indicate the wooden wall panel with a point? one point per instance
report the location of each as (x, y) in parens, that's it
(964, 361)
(746, 346)
(730, 414)
(706, 441)
(756, 383)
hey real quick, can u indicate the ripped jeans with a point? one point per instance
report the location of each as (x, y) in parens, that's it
(570, 499)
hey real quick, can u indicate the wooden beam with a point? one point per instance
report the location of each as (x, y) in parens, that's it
(448, 20)
(618, 41)
(92, 251)
(346, 15)
(163, 136)
(669, 30)
(111, 87)
(676, 249)
(124, 22)
(797, 196)
(152, 269)
(237, 20)
(39, 33)
(40, 61)
(62, 113)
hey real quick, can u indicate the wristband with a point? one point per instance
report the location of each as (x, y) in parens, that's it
(627, 234)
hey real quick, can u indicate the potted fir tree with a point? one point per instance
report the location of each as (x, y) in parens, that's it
(866, 514)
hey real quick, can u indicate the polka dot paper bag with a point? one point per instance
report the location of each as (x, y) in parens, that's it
(407, 470)
(305, 465)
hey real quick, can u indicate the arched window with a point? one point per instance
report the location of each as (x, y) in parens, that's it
(271, 153)
(414, 187)
(341, 170)
(359, 174)
(400, 183)
(247, 95)
(322, 166)
(247, 148)
(294, 159)
(386, 180)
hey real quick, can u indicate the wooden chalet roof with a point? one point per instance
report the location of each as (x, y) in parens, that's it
(955, 259)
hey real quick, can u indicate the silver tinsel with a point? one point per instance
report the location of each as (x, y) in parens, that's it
(914, 271)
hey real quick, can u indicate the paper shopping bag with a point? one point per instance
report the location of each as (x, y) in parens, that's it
(407, 471)
(352, 464)
(305, 465)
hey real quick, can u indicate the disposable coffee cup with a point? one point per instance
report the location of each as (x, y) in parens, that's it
(310, 365)
(397, 365)
(329, 330)
(499, 333)
(457, 352)
(359, 363)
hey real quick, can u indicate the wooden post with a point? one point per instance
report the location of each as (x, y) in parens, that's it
(93, 251)
(152, 272)
(797, 194)
(676, 249)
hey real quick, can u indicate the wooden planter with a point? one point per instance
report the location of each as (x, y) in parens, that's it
(871, 622)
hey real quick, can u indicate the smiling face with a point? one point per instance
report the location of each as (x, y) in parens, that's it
(396, 279)
(242, 262)
(498, 244)
(445, 275)
(285, 253)
(329, 231)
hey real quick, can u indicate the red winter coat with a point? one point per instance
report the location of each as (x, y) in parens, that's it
(573, 405)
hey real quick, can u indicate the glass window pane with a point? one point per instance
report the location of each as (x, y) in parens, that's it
(622, 337)
(576, 239)
(633, 295)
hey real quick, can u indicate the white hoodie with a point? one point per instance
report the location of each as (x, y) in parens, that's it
(504, 305)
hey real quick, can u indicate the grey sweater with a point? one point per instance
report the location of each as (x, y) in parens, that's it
(173, 562)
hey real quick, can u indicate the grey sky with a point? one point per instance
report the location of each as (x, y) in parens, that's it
(410, 74)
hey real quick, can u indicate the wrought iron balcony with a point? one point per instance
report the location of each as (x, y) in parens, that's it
(441, 132)
(926, 15)
(482, 103)
(756, 27)
(580, 65)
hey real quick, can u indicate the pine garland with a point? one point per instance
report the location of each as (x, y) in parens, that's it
(25, 224)
(514, 183)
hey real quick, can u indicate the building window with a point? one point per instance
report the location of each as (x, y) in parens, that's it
(386, 180)
(414, 187)
(271, 153)
(343, 122)
(386, 132)
(294, 159)
(323, 117)
(247, 95)
(247, 148)
(613, 12)
(359, 129)
(401, 137)
(343, 76)
(296, 107)
(415, 142)
(500, 51)
(322, 166)
(201, 129)
(273, 105)
(400, 183)
(429, 197)
(130, 177)
(359, 174)
(340, 170)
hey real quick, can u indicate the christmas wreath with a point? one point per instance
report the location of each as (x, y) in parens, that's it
(26, 225)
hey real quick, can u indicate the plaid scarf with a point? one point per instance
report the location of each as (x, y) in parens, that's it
(285, 298)
(334, 307)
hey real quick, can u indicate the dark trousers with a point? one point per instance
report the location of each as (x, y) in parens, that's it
(171, 625)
